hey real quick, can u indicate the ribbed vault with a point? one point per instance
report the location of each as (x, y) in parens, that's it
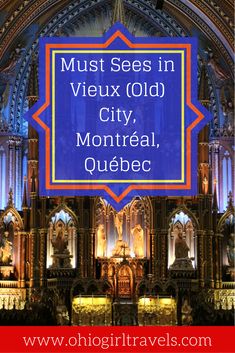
(23, 22)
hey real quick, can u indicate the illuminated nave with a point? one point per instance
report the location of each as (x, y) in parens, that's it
(76, 260)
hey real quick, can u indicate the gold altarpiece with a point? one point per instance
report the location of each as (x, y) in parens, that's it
(123, 244)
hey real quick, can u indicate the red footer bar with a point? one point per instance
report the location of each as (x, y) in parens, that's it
(62, 339)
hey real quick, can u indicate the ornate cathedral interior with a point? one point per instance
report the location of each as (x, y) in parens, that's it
(76, 260)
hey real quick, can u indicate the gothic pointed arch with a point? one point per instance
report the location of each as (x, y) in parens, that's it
(66, 209)
(11, 226)
(129, 228)
(62, 238)
(107, 287)
(182, 245)
(92, 287)
(186, 211)
(78, 288)
(116, 256)
(226, 215)
(176, 19)
(158, 287)
(171, 287)
(11, 212)
(142, 288)
(226, 230)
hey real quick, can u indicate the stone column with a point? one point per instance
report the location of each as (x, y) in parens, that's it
(201, 258)
(128, 229)
(18, 172)
(91, 242)
(32, 244)
(91, 253)
(163, 254)
(43, 256)
(80, 252)
(11, 171)
(216, 175)
(210, 258)
(157, 251)
(218, 263)
(107, 233)
(43, 212)
(2, 172)
(22, 259)
(153, 253)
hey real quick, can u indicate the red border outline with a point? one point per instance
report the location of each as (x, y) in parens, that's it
(189, 129)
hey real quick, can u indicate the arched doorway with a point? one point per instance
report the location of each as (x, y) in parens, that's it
(182, 247)
(61, 241)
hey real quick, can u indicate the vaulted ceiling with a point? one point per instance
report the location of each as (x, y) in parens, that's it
(212, 18)
(22, 22)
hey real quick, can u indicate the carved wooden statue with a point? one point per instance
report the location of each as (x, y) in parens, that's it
(60, 243)
(231, 250)
(138, 240)
(118, 221)
(181, 247)
(186, 312)
(6, 250)
(101, 241)
(121, 247)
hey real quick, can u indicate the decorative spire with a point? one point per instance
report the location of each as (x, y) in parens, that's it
(214, 200)
(33, 184)
(24, 201)
(203, 91)
(118, 12)
(10, 198)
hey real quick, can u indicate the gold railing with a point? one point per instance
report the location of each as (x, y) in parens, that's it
(92, 311)
(8, 284)
(157, 311)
